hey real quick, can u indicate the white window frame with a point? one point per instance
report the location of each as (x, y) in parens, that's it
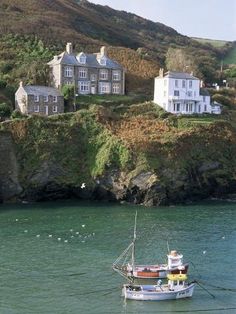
(190, 84)
(190, 93)
(84, 87)
(36, 98)
(116, 75)
(103, 74)
(183, 84)
(68, 71)
(82, 59)
(104, 88)
(54, 108)
(54, 98)
(45, 98)
(116, 88)
(36, 108)
(83, 73)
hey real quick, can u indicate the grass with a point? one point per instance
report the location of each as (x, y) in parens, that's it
(214, 42)
(231, 56)
(109, 99)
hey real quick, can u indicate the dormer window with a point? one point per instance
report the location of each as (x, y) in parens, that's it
(81, 58)
(103, 61)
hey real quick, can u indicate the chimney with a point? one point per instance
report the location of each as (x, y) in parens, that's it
(69, 48)
(161, 72)
(21, 84)
(103, 51)
(201, 83)
(191, 73)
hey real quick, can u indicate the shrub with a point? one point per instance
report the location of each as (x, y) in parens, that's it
(16, 114)
(5, 110)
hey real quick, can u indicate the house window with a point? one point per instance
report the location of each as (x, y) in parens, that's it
(83, 73)
(84, 87)
(176, 93)
(116, 75)
(190, 84)
(190, 107)
(54, 108)
(116, 88)
(68, 83)
(82, 59)
(68, 72)
(183, 83)
(103, 75)
(104, 88)
(177, 107)
(190, 94)
(36, 98)
(199, 108)
(176, 83)
(204, 98)
(164, 93)
(205, 108)
(54, 98)
(186, 107)
(45, 98)
(93, 77)
(103, 61)
(36, 108)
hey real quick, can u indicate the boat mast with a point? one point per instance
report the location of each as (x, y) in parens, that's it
(134, 239)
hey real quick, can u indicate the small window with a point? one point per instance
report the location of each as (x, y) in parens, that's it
(83, 73)
(116, 88)
(190, 84)
(205, 108)
(116, 75)
(36, 108)
(36, 98)
(68, 71)
(176, 93)
(178, 107)
(54, 98)
(190, 94)
(103, 61)
(54, 109)
(199, 108)
(176, 83)
(45, 98)
(204, 98)
(103, 75)
(82, 59)
(183, 83)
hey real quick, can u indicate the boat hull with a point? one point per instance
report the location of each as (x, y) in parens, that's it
(148, 293)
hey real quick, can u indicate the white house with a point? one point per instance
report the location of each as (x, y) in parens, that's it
(180, 93)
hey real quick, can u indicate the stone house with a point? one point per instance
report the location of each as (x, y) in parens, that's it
(88, 73)
(181, 93)
(41, 100)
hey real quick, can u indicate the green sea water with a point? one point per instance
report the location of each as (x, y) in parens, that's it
(55, 258)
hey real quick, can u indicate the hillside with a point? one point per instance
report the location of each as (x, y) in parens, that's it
(135, 159)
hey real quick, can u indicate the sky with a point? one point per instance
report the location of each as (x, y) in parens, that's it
(214, 19)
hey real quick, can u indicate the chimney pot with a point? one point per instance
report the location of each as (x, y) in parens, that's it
(21, 84)
(103, 51)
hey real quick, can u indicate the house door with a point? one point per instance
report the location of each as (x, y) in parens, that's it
(93, 90)
(46, 110)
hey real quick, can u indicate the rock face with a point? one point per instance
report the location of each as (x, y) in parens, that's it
(9, 182)
(47, 161)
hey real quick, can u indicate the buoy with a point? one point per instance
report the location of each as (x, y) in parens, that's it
(65, 241)
(17, 219)
(204, 252)
(25, 231)
(83, 226)
(59, 239)
(50, 235)
(77, 232)
(223, 237)
(38, 235)
(71, 230)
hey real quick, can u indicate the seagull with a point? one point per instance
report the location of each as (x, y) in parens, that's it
(82, 186)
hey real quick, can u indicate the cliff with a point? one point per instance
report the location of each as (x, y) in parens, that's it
(138, 158)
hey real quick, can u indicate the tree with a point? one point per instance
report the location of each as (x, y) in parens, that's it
(5, 110)
(179, 60)
(68, 92)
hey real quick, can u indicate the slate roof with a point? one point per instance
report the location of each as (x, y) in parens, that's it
(204, 92)
(91, 61)
(41, 90)
(180, 75)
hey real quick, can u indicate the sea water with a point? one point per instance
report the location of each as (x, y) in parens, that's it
(56, 258)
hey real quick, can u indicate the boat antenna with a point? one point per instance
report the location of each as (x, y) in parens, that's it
(168, 248)
(134, 239)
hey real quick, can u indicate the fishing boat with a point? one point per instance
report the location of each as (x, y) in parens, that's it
(176, 288)
(126, 267)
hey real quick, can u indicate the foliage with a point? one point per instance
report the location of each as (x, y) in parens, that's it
(16, 114)
(5, 110)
